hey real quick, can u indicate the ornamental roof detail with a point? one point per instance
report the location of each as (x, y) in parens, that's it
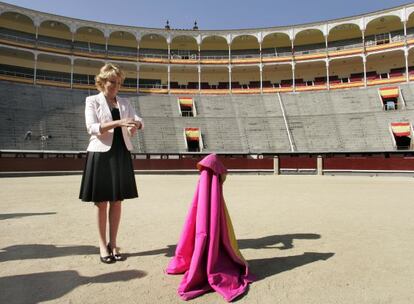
(402, 12)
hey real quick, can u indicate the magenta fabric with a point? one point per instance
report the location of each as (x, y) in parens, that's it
(207, 251)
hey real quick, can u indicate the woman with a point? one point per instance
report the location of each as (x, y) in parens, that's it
(108, 177)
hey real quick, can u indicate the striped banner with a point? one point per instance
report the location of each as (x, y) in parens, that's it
(389, 92)
(186, 102)
(401, 129)
(192, 133)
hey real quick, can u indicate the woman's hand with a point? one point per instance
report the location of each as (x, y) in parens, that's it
(132, 131)
(132, 125)
(129, 123)
(138, 124)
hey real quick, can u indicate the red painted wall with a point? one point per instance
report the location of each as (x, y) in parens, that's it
(190, 163)
(41, 164)
(375, 162)
(345, 162)
(77, 164)
(297, 161)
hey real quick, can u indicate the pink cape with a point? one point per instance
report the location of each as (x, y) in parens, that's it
(207, 252)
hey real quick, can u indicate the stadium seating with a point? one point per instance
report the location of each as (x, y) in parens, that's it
(340, 120)
(278, 89)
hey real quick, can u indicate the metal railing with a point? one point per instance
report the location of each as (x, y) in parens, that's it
(146, 55)
(53, 78)
(387, 38)
(82, 81)
(306, 52)
(122, 53)
(129, 85)
(89, 49)
(17, 38)
(346, 47)
(153, 86)
(212, 57)
(244, 56)
(54, 44)
(16, 74)
(398, 38)
(184, 56)
(282, 54)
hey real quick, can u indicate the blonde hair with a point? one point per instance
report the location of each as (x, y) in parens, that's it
(107, 71)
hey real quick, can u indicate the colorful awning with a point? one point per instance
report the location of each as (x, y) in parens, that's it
(186, 102)
(192, 133)
(401, 129)
(389, 92)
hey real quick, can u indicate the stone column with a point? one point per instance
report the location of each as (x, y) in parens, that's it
(327, 75)
(276, 165)
(407, 74)
(71, 71)
(364, 61)
(138, 67)
(199, 78)
(168, 77)
(319, 166)
(35, 69)
(261, 78)
(229, 67)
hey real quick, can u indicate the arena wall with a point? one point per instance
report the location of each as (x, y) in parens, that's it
(311, 88)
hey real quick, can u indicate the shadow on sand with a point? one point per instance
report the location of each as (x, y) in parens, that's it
(39, 251)
(268, 242)
(46, 286)
(263, 268)
(7, 216)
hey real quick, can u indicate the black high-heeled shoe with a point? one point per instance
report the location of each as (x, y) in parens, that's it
(116, 256)
(107, 259)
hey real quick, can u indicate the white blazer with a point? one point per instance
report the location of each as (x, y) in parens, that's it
(96, 112)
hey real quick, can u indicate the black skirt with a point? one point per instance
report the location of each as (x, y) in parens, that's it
(109, 176)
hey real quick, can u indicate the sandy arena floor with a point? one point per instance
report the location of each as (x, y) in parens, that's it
(308, 239)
